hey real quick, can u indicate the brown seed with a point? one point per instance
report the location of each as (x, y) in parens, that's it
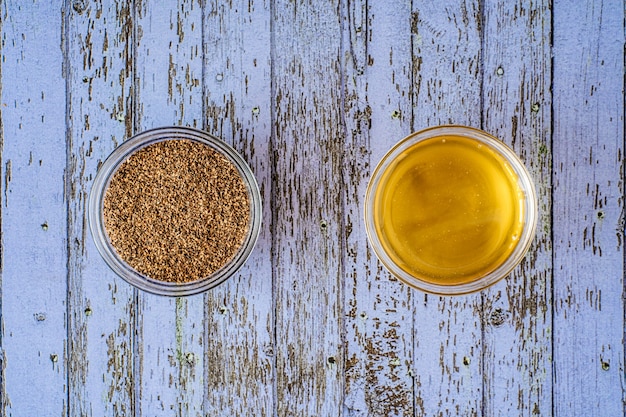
(177, 211)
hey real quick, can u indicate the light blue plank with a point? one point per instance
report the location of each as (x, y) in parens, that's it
(378, 308)
(168, 92)
(33, 207)
(240, 348)
(101, 312)
(446, 89)
(517, 312)
(588, 165)
(307, 213)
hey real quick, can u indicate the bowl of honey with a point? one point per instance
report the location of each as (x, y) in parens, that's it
(450, 210)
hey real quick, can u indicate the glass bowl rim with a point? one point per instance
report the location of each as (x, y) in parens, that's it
(96, 218)
(526, 185)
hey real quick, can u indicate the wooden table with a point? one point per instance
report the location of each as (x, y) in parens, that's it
(312, 94)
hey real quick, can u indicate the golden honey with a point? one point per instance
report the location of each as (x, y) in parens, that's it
(449, 210)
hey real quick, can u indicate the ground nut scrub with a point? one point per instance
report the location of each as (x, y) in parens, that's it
(175, 211)
(450, 210)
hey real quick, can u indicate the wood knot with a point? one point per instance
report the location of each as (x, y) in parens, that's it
(605, 365)
(79, 6)
(190, 359)
(497, 317)
(268, 349)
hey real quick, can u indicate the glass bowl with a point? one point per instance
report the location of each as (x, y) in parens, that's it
(101, 238)
(450, 210)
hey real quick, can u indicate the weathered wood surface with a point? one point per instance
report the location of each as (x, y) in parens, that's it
(312, 93)
(517, 314)
(446, 88)
(588, 209)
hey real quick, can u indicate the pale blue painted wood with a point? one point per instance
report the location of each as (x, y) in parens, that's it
(446, 90)
(588, 207)
(517, 318)
(168, 91)
(312, 325)
(241, 341)
(380, 367)
(33, 210)
(101, 338)
(307, 207)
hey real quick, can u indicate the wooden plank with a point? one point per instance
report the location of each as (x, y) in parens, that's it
(588, 208)
(518, 317)
(168, 91)
(239, 370)
(308, 209)
(32, 205)
(101, 306)
(447, 89)
(377, 307)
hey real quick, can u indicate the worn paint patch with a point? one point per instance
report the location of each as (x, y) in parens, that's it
(7, 181)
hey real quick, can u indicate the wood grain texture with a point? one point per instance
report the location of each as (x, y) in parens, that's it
(588, 226)
(240, 346)
(312, 94)
(517, 316)
(101, 306)
(307, 212)
(32, 203)
(168, 62)
(377, 308)
(447, 80)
